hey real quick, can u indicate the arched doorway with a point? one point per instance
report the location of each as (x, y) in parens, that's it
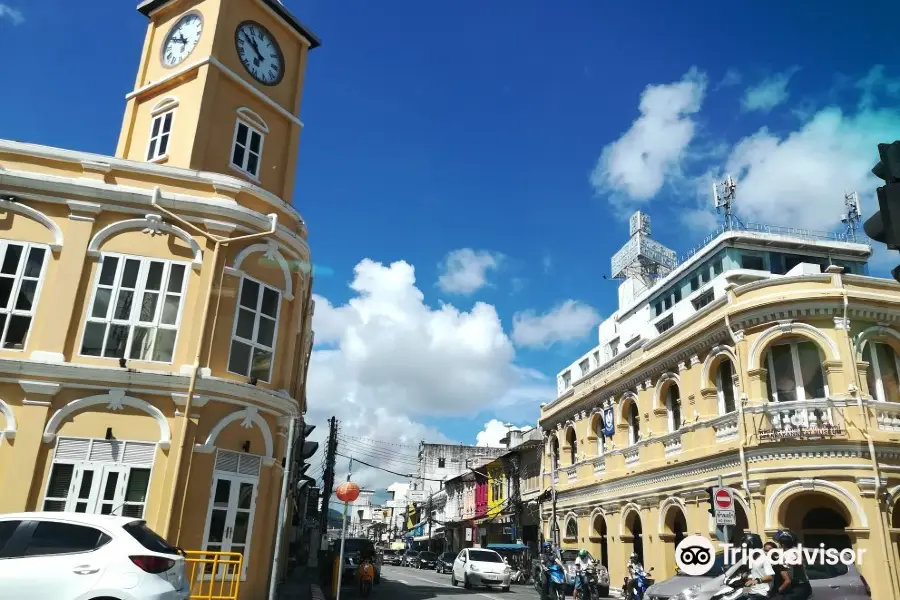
(599, 536)
(817, 518)
(674, 529)
(634, 530)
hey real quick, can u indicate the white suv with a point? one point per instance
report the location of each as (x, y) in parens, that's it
(76, 556)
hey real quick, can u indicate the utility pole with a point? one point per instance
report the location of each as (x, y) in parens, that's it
(328, 478)
(515, 473)
(428, 508)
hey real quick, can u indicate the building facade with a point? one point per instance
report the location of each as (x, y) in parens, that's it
(157, 304)
(769, 359)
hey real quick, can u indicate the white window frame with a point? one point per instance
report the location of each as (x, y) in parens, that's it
(875, 367)
(18, 279)
(160, 116)
(252, 343)
(585, 367)
(134, 318)
(798, 375)
(251, 129)
(101, 469)
(670, 408)
(633, 436)
(601, 439)
(720, 389)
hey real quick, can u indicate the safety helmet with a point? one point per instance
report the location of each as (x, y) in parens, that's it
(752, 541)
(547, 546)
(785, 538)
(582, 553)
(633, 556)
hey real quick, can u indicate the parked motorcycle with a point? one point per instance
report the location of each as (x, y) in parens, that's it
(366, 578)
(636, 587)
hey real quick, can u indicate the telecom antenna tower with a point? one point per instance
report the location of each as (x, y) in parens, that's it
(642, 258)
(853, 215)
(724, 194)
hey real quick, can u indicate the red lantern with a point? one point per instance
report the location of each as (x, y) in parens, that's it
(348, 491)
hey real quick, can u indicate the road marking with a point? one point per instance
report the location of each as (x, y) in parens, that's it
(432, 581)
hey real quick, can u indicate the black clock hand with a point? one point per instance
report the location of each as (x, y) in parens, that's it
(254, 46)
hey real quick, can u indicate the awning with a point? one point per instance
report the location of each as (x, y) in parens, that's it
(507, 547)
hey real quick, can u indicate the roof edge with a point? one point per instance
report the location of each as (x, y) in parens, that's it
(146, 7)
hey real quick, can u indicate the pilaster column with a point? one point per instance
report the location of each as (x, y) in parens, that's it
(53, 320)
(21, 477)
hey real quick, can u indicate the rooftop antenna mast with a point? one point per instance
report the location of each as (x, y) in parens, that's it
(724, 195)
(853, 215)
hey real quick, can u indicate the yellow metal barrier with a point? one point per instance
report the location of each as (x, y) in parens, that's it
(213, 575)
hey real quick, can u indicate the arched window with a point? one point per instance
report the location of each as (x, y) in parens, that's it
(883, 369)
(725, 387)
(598, 431)
(246, 148)
(572, 529)
(634, 423)
(161, 116)
(795, 372)
(673, 407)
(573, 445)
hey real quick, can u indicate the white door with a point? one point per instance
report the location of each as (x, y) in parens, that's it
(459, 566)
(229, 524)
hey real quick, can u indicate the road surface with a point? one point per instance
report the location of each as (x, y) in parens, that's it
(402, 583)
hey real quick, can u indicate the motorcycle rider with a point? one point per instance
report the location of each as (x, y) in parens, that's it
(782, 579)
(549, 556)
(798, 588)
(761, 574)
(582, 563)
(633, 567)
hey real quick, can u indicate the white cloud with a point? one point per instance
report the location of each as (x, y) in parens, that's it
(769, 92)
(14, 15)
(387, 359)
(636, 166)
(547, 263)
(494, 431)
(465, 270)
(799, 179)
(569, 321)
(732, 77)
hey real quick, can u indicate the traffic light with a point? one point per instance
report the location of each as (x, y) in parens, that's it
(884, 225)
(711, 492)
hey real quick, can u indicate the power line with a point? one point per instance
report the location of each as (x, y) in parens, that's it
(373, 440)
(406, 475)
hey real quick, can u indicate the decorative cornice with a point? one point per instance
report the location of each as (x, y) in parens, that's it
(83, 211)
(40, 388)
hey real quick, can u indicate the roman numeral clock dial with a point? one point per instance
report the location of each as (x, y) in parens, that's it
(182, 39)
(259, 53)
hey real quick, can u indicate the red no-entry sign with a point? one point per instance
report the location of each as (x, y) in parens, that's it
(724, 501)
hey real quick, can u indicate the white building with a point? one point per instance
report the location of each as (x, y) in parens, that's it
(648, 307)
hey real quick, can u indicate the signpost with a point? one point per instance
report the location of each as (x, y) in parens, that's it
(723, 506)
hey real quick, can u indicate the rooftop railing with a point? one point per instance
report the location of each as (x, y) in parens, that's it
(796, 232)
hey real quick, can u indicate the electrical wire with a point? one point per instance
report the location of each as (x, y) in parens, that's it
(406, 475)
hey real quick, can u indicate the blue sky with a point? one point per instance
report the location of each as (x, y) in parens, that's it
(516, 130)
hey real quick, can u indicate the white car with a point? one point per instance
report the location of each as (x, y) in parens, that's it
(76, 556)
(478, 566)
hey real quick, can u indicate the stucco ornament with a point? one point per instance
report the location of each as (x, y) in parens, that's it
(154, 225)
(249, 414)
(271, 252)
(116, 398)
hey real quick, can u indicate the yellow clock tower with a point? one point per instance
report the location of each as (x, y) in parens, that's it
(218, 89)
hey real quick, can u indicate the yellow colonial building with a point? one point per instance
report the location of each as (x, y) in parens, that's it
(155, 306)
(769, 358)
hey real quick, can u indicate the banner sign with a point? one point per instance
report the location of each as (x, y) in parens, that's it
(609, 422)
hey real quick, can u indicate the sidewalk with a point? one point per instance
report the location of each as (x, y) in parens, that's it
(302, 584)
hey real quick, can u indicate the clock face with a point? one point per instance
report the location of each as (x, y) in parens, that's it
(182, 39)
(259, 53)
